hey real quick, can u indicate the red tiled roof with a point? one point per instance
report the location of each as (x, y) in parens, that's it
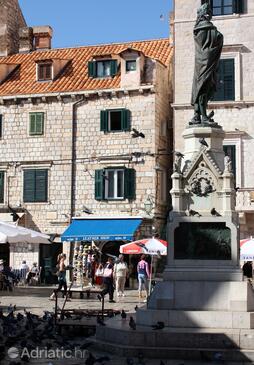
(75, 76)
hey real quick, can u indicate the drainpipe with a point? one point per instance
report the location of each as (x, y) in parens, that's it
(73, 153)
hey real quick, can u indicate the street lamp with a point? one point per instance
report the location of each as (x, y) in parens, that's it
(148, 205)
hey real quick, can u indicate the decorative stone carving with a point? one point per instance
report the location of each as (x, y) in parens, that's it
(178, 162)
(228, 164)
(201, 182)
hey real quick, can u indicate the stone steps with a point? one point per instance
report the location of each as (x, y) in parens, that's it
(176, 343)
(196, 319)
(202, 355)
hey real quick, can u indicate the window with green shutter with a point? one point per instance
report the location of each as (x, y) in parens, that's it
(102, 68)
(115, 184)
(225, 7)
(226, 80)
(1, 187)
(36, 124)
(35, 186)
(115, 120)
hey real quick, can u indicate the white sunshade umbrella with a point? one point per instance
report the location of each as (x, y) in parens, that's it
(10, 233)
(247, 249)
(149, 246)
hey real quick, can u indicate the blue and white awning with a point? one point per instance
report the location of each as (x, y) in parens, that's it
(101, 229)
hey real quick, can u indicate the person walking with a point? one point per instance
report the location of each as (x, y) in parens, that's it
(143, 275)
(121, 272)
(32, 273)
(108, 280)
(61, 273)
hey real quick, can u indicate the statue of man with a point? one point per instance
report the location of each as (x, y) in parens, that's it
(208, 45)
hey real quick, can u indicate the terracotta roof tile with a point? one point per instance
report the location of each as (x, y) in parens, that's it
(75, 75)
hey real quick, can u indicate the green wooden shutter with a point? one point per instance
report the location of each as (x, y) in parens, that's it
(113, 67)
(92, 68)
(230, 150)
(39, 124)
(129, 183)
(104, 120)
(238, 6)
(125, 119)
(1, 186)
(29, 186)
(36, 124)
(99, 185)
(32, 127)
(41, 185)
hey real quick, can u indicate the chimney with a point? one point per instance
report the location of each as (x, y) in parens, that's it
(25, 40)
(42, 37)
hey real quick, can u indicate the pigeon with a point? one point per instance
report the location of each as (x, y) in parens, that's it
(136, 133)
(123, 314)
(85, 345)
(136, 308)
(193, 213)
(100, 321)
(179, 154)
(90, 360)
(203, 142)
(132, 323)
(25, 358)
(159, 326)
(129, 361)
(215, 213)
(218, 356)
(102, 359)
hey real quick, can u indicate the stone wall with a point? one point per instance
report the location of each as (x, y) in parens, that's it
(20, 252)
(236, 117)
(94, 149)
(11, 19)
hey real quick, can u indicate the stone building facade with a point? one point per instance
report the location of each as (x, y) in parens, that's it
(11, 20)
(234, 107)
(54, 142)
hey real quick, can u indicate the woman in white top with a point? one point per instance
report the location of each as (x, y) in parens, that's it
(120, 274)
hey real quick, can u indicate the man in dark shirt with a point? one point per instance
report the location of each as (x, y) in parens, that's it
(247, 269)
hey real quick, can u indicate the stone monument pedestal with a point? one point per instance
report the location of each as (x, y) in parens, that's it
(205, 305)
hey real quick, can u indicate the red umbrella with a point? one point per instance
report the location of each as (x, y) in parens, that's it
(149, 246)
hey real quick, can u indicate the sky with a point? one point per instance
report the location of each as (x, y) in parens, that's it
(86, 22)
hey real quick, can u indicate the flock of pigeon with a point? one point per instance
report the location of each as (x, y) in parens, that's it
(28, 330)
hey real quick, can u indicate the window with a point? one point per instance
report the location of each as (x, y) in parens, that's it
(35, 186)
(131, 65)
(44, 71)
(1, 126)
(104, 68)
(226, 80)
(36, 124)
(114, 183)
(115, 120)
(225, 7)
(230, 150)
(1, 187)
